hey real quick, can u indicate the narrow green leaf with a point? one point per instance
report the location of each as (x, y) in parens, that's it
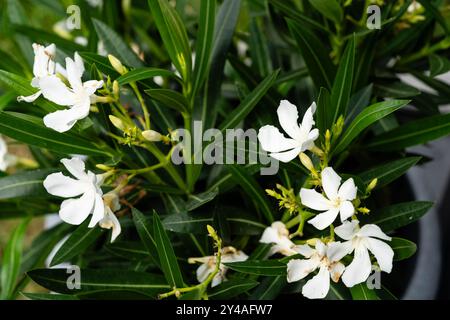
(323, 120)
(395, 90)
(169, 98)
(231, 289)
(145, 231)
(316, 56)
(398, 215)
(259, 267)
(77, 243)
(143, 74)
(204, 43)
(167, 257)
(49, 296)
(252, 188)
(388, 172)
(403, 249)
(329, 8)
(115, 45)
(131, 250)
(362, 292)
(11, 260)
(197, 200)
(438, 65)
(358, 102)
(24, 130)
(100, 62)
(367, 117)
(24, 184)
(269, 288)
(413, 133)
(343, 83)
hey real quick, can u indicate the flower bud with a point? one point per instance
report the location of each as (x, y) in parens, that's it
(152, 135)
(103, 167)
(372, 185)
(117, 65)
(306, 161)
(116, 89)
(118, 123)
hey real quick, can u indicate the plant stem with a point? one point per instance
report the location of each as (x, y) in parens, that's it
(143, 105)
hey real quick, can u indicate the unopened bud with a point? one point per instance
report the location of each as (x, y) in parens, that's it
(116, 89)
(306, 161)
(312, 242)
(372, 185)
(118, 123)
(103, 167)
(212, 233)
(152, 135)
(116, 64)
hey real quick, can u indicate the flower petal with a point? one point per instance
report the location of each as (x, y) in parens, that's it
(98, 212)
(318, 286)
(75, 211)
(297, 269)
(272, 140)
(346, 210)
(348, 190)
(337, 250)
(60, 185)
(314, 200)
(76, 167)
(91, 86)
(31, 98)
(203, 271)
(304, 249)
(336, 271)
(347, 229)
(382, 252)
(287, 155)
(74, 74)
(330, 182)
(110, 221)
(323, 220)
(359, 270)
(64, 120)
(372, 230)
(55, 90)
(308, 120)
(288, 117)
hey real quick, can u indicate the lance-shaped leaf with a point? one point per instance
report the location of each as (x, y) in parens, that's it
(145, 231)
(197, 200)
(269, 288)
(170, 99)
(403, 249)
(232, 288)
(24, 184)
(143, 74)
(259, 267)
(329, 8)
(438, 65)
(362, 292)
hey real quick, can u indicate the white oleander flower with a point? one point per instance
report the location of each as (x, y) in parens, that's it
(337, 201)
(361, 241)
(229, 254)
(44, 66)
(84, 184)
(301, 137)
(278, 235)
(6, 160)
(78, 97)
(109, 220)
(323, 257)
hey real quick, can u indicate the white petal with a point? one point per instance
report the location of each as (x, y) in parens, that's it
(31, 98)
(308, 121)
(359, 270)
(76, 167)
(270, 235)
(203, 271)
(75, 211)
(288, 117)
(337, 250)
(382, 252)
(372, 230)
(336, 271)
(330, 182)
(98, 212)
(74, 74)
(346, 210)
(321, 248)
(218, 279)
(91, 86)
(287, 155)
(79, 63)
(323, 220)
(347, 229)
(55, 90)
(110, 221)
(304, 250)
(314, 200)
(297, 269)
(348, 190)
(64, 120)
(60, 185)
(272, 140)
(318, 286)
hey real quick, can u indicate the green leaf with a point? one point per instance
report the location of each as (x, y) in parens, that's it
(130, 250)
(388, 172)
(438, 65)
(329, 8)
(101, 281)
(169, 98)
(231, 289)
(145, 231)
(343, 83)
(323, 120)
(252, 188)
(247, 105)
(316, 56)
(11, 261)
(22, 129)
(403, 249)
(143, 74)
(204, 43)
(49, 296)
(367, 117)
(362, 292)
(167, 257)
(100, 62)
(269, 288)
(395, 90)
(197, 200)
(77, 243)
(358, 102)
(24, 184)
(286, 8)
(115, 45)
(259, 267)
(173, 34)
(398, 215)
(9, 63)
(412, 133)
(430, 7)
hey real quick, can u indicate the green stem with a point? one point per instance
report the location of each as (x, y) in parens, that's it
(143, 105)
